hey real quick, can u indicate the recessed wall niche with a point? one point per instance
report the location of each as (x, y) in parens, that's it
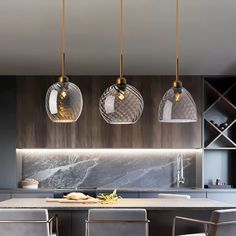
(109, 168)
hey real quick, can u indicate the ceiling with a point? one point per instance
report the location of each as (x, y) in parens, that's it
(30, 37)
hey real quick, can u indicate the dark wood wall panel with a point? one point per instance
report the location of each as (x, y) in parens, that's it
(35, 130)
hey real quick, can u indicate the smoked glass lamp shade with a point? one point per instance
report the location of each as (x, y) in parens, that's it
(64, 102)
(121, 106)
(177, 106)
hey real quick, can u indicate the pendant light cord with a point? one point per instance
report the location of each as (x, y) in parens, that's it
(177, 40)
(121, 38)
(63, 40)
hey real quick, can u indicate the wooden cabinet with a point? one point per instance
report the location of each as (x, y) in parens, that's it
(35, 130)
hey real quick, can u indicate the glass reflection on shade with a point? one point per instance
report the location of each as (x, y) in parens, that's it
(121, 106)
(177, 106)
(64, 102)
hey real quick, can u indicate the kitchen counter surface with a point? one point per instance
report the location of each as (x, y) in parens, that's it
(48, 190)
(149, 204)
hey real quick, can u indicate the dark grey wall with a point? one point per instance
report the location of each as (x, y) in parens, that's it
(8, 133)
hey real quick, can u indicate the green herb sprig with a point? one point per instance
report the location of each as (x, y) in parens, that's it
(109, 198)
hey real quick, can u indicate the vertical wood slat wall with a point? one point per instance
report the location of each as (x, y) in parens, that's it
(35, 130)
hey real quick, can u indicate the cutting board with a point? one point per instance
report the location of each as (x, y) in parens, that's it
(64, 200)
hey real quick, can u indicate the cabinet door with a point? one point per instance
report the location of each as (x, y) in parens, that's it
(223, 197)
(32, 195)
(5, 196)
(78, 222)
(64, 220)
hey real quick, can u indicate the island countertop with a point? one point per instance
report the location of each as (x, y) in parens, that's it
(149, 204)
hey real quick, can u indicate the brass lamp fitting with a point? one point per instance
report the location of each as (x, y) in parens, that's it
(121, 84)
(63, 79)
(177, 84)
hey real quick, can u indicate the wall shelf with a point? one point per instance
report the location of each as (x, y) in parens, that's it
(219, 130)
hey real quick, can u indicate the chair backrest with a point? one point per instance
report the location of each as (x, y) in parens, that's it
(117, 222)
(24, 229)
(219, 216)
(175, 196)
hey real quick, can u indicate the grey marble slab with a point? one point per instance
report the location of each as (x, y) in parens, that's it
(107, 168)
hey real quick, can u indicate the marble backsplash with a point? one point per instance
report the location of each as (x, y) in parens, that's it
(109, 168)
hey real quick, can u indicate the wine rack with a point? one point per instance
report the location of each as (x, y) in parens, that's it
(219, 130)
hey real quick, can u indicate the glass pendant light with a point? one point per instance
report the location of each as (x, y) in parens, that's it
(64, 100)
(121, 103)
(177, 104)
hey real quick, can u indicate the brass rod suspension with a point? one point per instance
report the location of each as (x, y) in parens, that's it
(121, 38)
(177, 40)
(63, 40)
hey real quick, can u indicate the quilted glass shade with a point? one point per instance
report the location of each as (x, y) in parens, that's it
(64, 102)
(121, 106)
(177, 106)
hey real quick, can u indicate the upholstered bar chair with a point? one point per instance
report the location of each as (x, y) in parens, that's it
(26, 222)
(117, 222)
(175, 196)
(221, 223)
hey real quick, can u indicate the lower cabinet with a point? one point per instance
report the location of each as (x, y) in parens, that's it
(78, 225)
(128, 194)
(155, 194)
(64, 218)
(123, 194)
(4, 196)
(71, 223)
(32, 195)
(223, 197)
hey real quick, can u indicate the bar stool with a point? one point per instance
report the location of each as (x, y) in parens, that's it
(117, 222)
(175, 196)
(26, 222)
(222, 223)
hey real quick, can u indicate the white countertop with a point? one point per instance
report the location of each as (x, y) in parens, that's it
(147, 203)
(142, 190)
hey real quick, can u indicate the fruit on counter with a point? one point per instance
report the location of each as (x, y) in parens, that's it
(108, 198)
(77, 196)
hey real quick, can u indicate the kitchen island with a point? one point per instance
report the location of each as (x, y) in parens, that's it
(147, 203)
(160, 212)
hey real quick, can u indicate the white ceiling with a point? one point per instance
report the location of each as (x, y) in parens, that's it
(30, 37)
